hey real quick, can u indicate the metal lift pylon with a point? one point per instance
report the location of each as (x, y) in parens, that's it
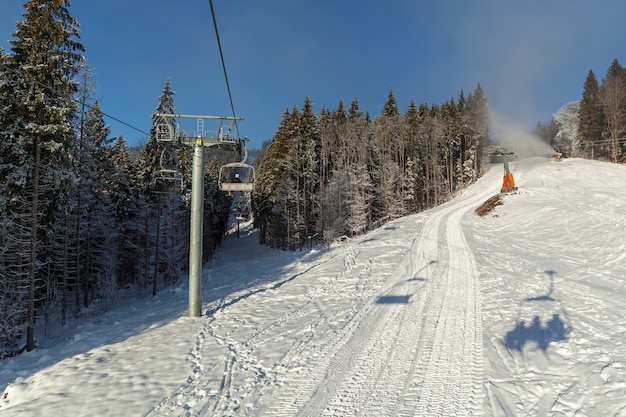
(508, 182)
(168, 133)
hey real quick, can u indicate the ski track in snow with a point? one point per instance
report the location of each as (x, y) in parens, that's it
(393, 323)
(408, 343)
(576, 367)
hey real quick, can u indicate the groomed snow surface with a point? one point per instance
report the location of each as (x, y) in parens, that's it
(443, 313)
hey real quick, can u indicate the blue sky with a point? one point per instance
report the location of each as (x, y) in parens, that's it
(530, 57)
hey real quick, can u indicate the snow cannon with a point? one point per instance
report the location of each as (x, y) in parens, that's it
(508, 182)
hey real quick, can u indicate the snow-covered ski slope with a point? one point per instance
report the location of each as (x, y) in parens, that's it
(443, 313)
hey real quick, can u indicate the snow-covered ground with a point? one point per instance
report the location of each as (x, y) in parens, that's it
(518, 313)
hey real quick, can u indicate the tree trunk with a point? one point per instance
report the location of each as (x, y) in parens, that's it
(30, 330)
(156, 249)
(65, 272)
(88, 259)
(77, 255)
(146, 252)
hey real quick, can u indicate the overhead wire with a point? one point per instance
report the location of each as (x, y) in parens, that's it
(120, 121)
(604, 141)
(89, 106)
(219, 46)
(230, 97)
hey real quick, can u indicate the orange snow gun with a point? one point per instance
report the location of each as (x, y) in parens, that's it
(508, 183)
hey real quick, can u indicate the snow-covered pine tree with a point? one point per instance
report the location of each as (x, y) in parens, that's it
(566, 139)
(452, 145)
(13, 217)
(391, 107)
(368, 172)
(124, 200)
(155, 155)
(411, 122)
(38, 110)
(270, 196)
(287, 207)
(419, 130)
(475, 124)
(324, 123)
(264, 188)
(590, 116)
(308, 173)
(102, 232)
(349, 202)
(384, 165)
(612, 97)
(153, 158)
(428, 139)
(73, 258)
(357, 196)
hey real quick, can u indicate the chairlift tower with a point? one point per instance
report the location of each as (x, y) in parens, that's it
(508, 182)
(168, 133)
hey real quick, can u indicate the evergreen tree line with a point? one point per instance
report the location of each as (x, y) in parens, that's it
(81, 214)
(595, 126)
(342, 173)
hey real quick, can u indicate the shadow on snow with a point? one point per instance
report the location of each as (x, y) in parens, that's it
(548, 295)
(393, 299)
(403, 299)
(554, 330)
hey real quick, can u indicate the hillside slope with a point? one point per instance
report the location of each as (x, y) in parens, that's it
(519, 312)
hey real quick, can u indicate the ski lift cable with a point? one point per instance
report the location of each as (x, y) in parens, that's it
(219, 46)
(77, 101)
(121, 121)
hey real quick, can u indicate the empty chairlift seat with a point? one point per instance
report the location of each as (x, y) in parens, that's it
(167, 181)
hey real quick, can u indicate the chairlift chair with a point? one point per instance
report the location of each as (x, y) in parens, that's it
(246, 175)
(166, 133)
(167, 181)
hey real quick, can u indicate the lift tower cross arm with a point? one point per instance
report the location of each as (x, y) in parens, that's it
(168, 132)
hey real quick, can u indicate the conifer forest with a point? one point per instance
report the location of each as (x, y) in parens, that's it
(82, 225)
